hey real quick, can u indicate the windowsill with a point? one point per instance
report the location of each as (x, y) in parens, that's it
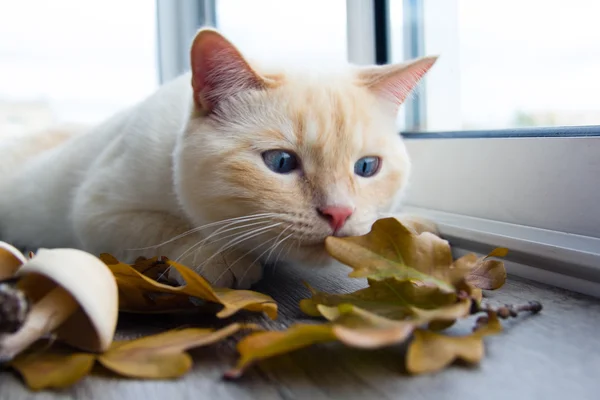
(559, 259)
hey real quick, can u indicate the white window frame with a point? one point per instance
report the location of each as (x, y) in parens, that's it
(177, 22)
(535, 191)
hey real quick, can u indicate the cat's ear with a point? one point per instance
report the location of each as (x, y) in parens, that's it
(219, 70)
(394, 82)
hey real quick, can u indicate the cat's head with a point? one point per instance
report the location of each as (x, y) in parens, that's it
(290, 158)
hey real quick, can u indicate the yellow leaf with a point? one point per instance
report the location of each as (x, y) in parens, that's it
(161, 356)
(261, 345)
(391, 250)
(482, 273)
(389, 298)
(430, 351)
(46, 366)
(348, 324)
(359, 328)
(140, 293)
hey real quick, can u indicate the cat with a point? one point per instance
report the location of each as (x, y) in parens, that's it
(224, 168)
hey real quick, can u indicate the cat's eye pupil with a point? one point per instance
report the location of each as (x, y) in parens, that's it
(367, 166)
(280, 161)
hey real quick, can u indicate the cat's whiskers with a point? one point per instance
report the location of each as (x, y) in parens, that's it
(241, 238)
(241, 219)
(277, 238)
(198, 246)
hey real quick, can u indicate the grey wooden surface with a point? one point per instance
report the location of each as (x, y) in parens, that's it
(553, 355)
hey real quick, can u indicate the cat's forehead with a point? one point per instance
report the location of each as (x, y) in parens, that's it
(327, 117)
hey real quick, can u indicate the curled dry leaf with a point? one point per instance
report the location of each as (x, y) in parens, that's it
(482, 272)
(70, 293)
(431, 351)
(52, 366)
(162, 356)
(138, 292)
(260, 345)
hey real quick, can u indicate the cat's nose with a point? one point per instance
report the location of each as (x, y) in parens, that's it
(335, 215)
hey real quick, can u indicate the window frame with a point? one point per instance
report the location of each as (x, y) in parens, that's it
(543, 178)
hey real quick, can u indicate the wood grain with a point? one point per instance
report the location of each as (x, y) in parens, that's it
(554, 355)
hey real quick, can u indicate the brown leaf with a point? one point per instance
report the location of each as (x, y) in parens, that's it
(482, 273)
(161, 356)
(260, 345)
(46, 366)
(140, 293)
(389, 298)
(391, 250)
(430, 351)
(348, 324)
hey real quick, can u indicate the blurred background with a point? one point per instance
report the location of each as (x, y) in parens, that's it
(503, 64)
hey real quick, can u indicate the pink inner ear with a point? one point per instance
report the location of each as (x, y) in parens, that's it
(395, 82)
(398, 89)
(219, 70)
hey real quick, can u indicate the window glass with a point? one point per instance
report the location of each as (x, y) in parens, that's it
(73, 61)
(511, 63)
(276, 30)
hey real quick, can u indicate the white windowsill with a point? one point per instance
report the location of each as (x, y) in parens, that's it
(560, 259)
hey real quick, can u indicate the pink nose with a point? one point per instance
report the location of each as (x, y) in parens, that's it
(335, 215)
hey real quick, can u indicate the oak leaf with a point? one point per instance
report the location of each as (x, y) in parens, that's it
(349, 324)
(388, 298)
(430, 351)
(482, 272)
(391, 250)
(140, 293)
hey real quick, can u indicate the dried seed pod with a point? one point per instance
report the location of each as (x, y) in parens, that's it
(71, 293)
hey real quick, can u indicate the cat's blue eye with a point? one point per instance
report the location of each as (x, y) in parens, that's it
(280, 161)
(367, 166)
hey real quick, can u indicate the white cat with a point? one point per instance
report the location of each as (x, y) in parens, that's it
(224, 168)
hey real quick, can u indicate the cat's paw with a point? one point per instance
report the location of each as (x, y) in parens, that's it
(232, 271)
(248, 276)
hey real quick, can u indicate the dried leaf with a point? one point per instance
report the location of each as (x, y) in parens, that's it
(388, 298)
(391, 250)
(483, 273)
(161, 356)
(140, 293)
(260, 345)
(47, 366)
(430, 351)
(351, 325)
